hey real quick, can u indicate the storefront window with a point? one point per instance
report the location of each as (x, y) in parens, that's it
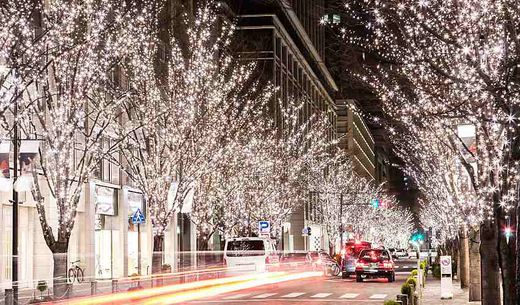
(106, 231)
(7, 242)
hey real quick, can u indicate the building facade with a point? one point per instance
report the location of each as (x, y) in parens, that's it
(357, 140)
(287, 41)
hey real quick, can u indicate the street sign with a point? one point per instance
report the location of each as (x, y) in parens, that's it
(446, 280)
(306, 231)
(264, 227)
(138, 217)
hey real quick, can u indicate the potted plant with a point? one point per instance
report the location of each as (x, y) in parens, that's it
(166, 268)
(41, 286)
(407, 289)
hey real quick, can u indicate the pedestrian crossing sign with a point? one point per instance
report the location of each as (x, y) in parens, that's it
(138, 217)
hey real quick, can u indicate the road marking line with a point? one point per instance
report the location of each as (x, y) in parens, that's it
(377, 296)
(286, 300)
(264, 295)
(349, 296)
(321, 295)
(236, 296)
(293, 295)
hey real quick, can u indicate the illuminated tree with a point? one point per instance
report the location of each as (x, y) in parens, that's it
(265, 174)
(182, 124)
(345, 200)
(67, 98)
(443, 64)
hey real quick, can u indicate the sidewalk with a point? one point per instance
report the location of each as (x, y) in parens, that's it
(432, 294)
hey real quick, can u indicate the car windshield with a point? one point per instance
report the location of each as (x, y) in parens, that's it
(245, 248)
(374, 255)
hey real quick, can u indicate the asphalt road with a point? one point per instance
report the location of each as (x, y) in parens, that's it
(324, 290)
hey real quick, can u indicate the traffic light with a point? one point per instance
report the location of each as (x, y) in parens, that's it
(418, 236)
(309, 230)
(375, 203)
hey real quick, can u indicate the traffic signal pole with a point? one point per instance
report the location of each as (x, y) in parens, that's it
(341, 230)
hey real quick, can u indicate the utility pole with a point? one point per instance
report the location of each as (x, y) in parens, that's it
(341, 220)
(14, 266)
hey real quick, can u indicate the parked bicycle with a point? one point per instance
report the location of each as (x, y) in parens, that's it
(75, 272)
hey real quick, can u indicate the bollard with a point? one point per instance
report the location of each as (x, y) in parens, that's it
(9, 297)
(416, 299)
(114, 286)
(403, 298)
(93, 287)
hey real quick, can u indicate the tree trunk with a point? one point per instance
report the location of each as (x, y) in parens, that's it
(59, 282)
(475, 290)
(157, 257)
(507, 263)
(489, 263)
(203, 256)
(464, 259)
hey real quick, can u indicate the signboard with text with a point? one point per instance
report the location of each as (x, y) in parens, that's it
(446, 277)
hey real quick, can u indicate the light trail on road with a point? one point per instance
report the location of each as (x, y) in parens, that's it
(226, 288)
(146, 293)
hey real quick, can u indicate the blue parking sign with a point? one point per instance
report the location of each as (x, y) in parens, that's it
(264, 227)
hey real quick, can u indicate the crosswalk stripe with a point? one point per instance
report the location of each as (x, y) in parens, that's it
(377, 296)
(293, 295)
(237, 296)
(321, 295)
(264, 295)
(349, 296)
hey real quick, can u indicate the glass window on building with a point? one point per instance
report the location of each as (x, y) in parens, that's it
(106, 231)
(6, 242)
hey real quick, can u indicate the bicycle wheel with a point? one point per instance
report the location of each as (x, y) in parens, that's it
(79, 275)
(335, 270)
(71, 275)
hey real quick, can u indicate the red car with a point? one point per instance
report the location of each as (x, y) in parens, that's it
(375, 263)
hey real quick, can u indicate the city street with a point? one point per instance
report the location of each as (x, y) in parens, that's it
(322, 290)
(225, 286)
(275, 152)
(315, 291)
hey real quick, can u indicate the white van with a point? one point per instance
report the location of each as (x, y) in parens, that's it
(250, 254)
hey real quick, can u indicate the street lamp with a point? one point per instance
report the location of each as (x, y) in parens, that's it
(417, 245)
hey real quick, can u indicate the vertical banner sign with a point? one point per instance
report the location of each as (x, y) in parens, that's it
(27, 159)
(6, 184)
(446, 278)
